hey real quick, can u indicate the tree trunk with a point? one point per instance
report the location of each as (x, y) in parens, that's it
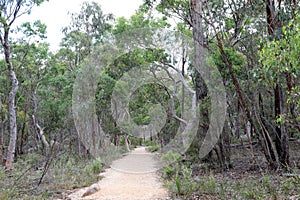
(198, 38)
(241, 98)
(224, 146)
(8, 14)
(12, 121)
(281, 138)
(261, 104)
(22, 139)
(2, 152)
(11, 103)
(200, 86)
(292, 105)
(127, 142)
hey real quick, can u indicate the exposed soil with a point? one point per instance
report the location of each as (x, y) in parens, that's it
(133, 177)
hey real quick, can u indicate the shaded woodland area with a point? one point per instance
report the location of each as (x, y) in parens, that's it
(254, 45)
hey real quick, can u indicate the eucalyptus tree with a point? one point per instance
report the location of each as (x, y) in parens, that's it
(191, 16)
(144, 23)
(10, 11)
(31, 56)
(235, 27)
(87, 28)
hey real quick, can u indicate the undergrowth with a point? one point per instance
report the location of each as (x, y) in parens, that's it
(188, 181)
(31, 180)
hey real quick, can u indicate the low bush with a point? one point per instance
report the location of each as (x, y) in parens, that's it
(178, 177)
(153, 148)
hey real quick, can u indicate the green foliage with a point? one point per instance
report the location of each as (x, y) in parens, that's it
(180, 180)
(144, 99)
(7, 194)
(181, 8)
(150, 143)
(142, 19)
(236, 59)
(247, 187)
(282, 55)
(153, 148)
(36, 28)
(178, 176)
(91, 21)
(279, 57)
(288, 186)
(168, 171)
(87, 29)
(170, 158)
(94, 167)
(208, 185)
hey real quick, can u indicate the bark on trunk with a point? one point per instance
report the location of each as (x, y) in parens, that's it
(127, 142)
(281, 138)
(11, 104)
(200, 86)
(12, 121)
(22, 139)
(2, 152)
(198, 38)
(8, 16)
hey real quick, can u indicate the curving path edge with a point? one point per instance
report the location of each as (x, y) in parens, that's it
(133, 177)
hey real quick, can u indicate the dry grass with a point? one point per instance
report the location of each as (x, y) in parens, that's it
(64, 174)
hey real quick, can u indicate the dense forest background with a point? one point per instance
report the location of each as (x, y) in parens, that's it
(255, 47)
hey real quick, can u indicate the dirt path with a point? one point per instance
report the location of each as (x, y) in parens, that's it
(132, 177)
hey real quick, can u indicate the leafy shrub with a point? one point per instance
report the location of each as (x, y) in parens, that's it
(153, 148)
(171, 157)
(178, 176)
(168, 171)
(150, 143)
(140, 141)
(94, 167)
(171, 163)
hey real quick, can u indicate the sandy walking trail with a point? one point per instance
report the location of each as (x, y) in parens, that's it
(133, 177)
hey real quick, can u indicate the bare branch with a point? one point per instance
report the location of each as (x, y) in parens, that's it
(181, 77)
(171, 95)
(15, 13)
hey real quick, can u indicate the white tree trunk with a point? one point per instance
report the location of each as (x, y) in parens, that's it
(127, 142)
(2, 152)
(12, 119)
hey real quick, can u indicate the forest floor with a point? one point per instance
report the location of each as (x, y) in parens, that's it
(134, 176)
(247, 179)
